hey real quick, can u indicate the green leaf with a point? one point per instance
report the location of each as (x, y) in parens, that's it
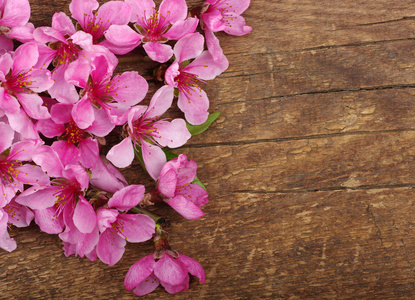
(198, 129)
(198, 182)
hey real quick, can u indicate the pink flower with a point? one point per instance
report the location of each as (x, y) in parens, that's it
(20, 82)
(193, 101)
(146, 131)
(61, 44)
(223, 15)
(155, 28)
(14, 172)
(14, 17)
(95, 23)
(174, 184)
(115, 95)
(64, 196)
(172, 273)
(117, 228)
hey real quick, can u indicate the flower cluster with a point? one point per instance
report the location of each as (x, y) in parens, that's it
(60, 97)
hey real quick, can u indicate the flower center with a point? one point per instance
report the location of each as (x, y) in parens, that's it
(17, 83)
(144, 129)
(66, 192)
(65, 53)
(154, 27)
(94, 26)
(9, 171)
(73, 134)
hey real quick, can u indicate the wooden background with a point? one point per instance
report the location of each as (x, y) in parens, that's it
(310, 167)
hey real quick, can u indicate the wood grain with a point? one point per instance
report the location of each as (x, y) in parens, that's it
(309, 168)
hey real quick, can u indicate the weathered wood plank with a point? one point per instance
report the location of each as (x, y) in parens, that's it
(314, 115)
(268, 245)
(348, 161)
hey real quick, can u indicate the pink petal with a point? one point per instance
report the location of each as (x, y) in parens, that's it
(6, 136)
(83, 113)
(15, 13)
(173, 10)
(110, 248)
(8, 102)
(236, 6)
(6, 43)
(212, 20)
(29, 174)
(167, 182)
(154, 158)
(105, 218)
(6, 242)
(140, 10)
(173, 289)
(195, 105)
(106, 177)
(76, 173)
(21, 123)
(236, 25)
(89, 150)
(122, 154)
(158, 52)
(186, 208)
(160, 102)
(139, 272)
(107, 17)
(33, 106)
(206, 67)
(63, 24)
(127, 197)
(84, 216)
(19, 215)
(80, 8)
(23, 34)
(212, 43)
(48, 222)
(171, 73)
(101, 125)
(196, 194)
(129, 88)
(186, 169)
(78, 72)
(136, 228)
(61, 113)
(39, 200)
(121, 39)
(25, 57)
(146, 286)
(193, 267)
(182, 28)
(172, 134)
(49, 128)
(168, 270)
(67, 152)
(41, 80)
(189, 47)
(62, 90)
(6, 63)
(48, 159)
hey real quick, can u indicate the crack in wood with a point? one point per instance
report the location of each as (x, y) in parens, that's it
(369, 211)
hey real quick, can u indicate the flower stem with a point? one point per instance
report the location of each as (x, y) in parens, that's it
(139, 210)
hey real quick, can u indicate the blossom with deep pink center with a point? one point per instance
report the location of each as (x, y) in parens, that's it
(65, 193)
(223, 15)
(14, 17)
(14, 171)
(186, 77)
(101, 90)
(117, 228)
(175, 185)
(21, 81)
(145, 275)
(74, 144)
(145, 130)
(61, 45)
(155, 28)
(95, 19)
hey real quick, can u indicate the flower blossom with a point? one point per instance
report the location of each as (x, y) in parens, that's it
(176, 188)
(96, 23)
(14, 17)
(63, 196)
(117, 228)
(155, 28)
(145, 275)
(223, 15)
(20, 83)
(115, 95)
(146, 131)
(186, 77)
